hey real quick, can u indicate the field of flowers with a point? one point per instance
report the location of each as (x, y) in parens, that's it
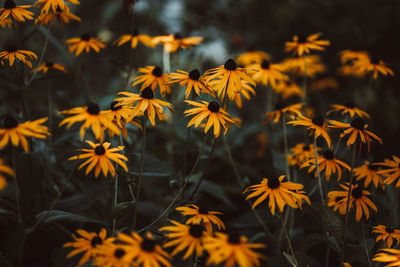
(199, 133)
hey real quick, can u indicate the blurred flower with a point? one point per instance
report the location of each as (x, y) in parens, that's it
(62, 16)
(192, 80)
(175, 41)
(348, 108)
(54, 4)
(392, 172)
(46, 66)
(368, 65)
(302, 44)
(387, 234)
(92, 117)
(4, 169)
(153, 76)
(280, 193)
(301, 153)
(86, 242)
(252, 57)
(6, 23)
(357, 127)
(346, 264)
(316, 125)
(369, 172)
(17, 132)
(389, 256)
(327, 162)
(13, 53)
(19, 13)
(229, 78)
(216, 116)
(323, 83)
(113, 254)
(281, 109)
(100, 157)
(134, 39)
(232, 249)
(287, 89)
(181, 236)
(202, 215)
(267, 73)
(349, 56)
(262, 144)
(85, 42)
(144, 102)
(310, 65)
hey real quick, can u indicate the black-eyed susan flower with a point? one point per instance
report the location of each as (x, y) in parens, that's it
(202, 215)
(54, 5)
(323, 83)
(92, 117)
(4, 169)
(12, 53)
(356, 128)
(86, 243)
(233, 249)
(346, 264)
(389, 256)
(374, 66)
(144, 102)
(287, 89)
(302, 44)
(185, 237)
(84, 43)
(246, 93)
(16, 133)
(48, 66)
(335, 200)
(328, 162)
(19, 13)
(348, 56)
(315, 125)
(100, 157)
(392, 172)
(348, 108)
(301, 153)
(153, 76)
(134, 39)
(252, 57)
(144, 250)
(175, 41)
(281, 109)
(119, 115)
(369, 172)
(62, 16)
(215, 115)
(279, 193)
(6, 23)
(115, 255)
(387, 234)
(310, 65)
(192, 80)
(229, 78)
(267, 73)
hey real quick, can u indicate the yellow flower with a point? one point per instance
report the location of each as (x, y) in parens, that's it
(92, 117)
(232, 249)
(13, 53)
(296, 66)
(387, 234)
(267, 73)
(335, 200)
(192, 80)
(288, 89)
(316, 125)
(115, 255)
(246, 92)
(17, 132)
(252, 57)
(349, 56)
(374, 66)
(301, 153)
(350, 109)
(215, 115)
(19, 13)
(281, 110)
(389, 256)
(369, 172)
(62, 16)
(134, 39)
(54, 5)
(181, 236)
(99, 158)
(119, 115)
(175, 41)
(392, 172)
(46, 66)
(7, 170)
(279, 193)
(85, 42)
(323, 83)
(6, 23)
(153, 76)
(86, 243)
(144, 102)
(229, 78)
(202, 215)
(302, 44)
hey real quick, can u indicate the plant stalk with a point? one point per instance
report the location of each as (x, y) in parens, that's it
(317, 169)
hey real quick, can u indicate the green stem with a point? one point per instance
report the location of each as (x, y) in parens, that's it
(288, 240)
(16, 187)
(317, 169)
(365, 244)
(166, 61)
(50, 106)
(115, 202)
(285, 141)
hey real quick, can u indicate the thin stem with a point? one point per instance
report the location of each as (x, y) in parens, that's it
(139, 184)
(365, 244)
(166, 61)
(50, 106)
(16, 187)
(285, 141)
(288, 240)
(353, 157)
(328, 252)
(285, 221)
(318, 174)
(115, 202)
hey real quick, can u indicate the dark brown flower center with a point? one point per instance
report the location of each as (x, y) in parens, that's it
(119, 253)
(230, 64)
(10, 122)
(177, 35)
(194, 75)
(357, 192)
(99, 150)
(96, 241)
(318, 120)
(147, 93)
(93, 109)
(350, 105)
(389, 229)
(301, 38)
(12, 48)
(358, 123)
(9, 4)
(58, 9)
(372, 167)
(374, 60)
(148, 244)
(157, 71)
(196, 230)
(49, 64)
(203, 210)
(213, 107)
(280, 105)
(265, 64)
(85, 37)
(234, 238)
(135, 32)
(328, 154)
(273, 183)
(306, 148)
(337, 199)
(114, 107)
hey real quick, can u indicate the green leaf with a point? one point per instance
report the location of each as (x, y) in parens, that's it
(330, 220)
(120, 208)
(153, 167)
(289, 258)
(55, 216)
(216, 191)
